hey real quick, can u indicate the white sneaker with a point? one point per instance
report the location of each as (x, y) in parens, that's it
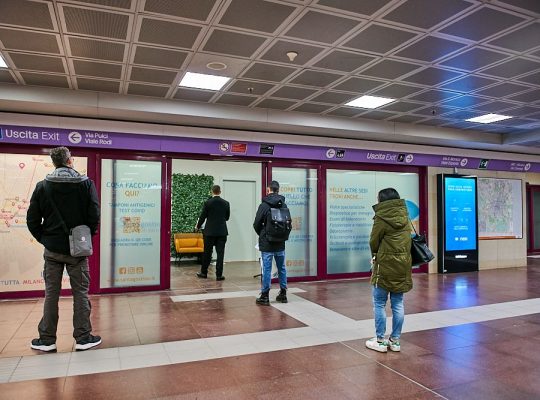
(374, 344)
(394, 345)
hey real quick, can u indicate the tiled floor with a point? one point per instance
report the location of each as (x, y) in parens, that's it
(468, 336)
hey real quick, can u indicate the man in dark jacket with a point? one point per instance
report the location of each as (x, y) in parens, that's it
(216, 213)
(390, 244)
(77, 203)
(270, 249)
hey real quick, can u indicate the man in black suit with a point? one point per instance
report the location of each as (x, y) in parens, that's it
(215, 212)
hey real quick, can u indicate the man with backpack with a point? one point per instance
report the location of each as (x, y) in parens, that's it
(273, 225)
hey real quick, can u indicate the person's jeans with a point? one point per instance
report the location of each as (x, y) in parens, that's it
(79, 278)
(380, 296)
(267, 269)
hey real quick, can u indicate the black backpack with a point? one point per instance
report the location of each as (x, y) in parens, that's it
(278, 224)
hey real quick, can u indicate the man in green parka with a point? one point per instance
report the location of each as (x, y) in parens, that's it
(390, 244)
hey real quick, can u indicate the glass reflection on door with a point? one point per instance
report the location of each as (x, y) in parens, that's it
(299, 187)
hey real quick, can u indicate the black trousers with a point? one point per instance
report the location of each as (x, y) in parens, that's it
(209, 243)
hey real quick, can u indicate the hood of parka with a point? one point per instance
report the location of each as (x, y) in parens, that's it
(393, 212)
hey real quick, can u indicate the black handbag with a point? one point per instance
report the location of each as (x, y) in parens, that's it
(420, 252)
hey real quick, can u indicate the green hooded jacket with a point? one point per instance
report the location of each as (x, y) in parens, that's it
(390, 244)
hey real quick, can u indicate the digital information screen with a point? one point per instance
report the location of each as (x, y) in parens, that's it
(460, 213)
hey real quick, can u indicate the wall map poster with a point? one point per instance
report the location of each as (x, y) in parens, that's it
(22, 255)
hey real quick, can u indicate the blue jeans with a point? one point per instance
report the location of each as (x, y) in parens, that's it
(267, 269)
(380, 296)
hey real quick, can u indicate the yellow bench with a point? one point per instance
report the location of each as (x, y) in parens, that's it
(189, 244)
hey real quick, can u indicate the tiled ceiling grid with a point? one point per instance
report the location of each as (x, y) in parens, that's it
(444, 60)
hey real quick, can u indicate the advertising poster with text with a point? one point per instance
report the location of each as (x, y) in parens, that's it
(350, 198)
(299, 187)
(130, 223)
(19, 174)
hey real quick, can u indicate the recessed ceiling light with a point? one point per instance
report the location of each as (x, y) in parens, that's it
(369, 102)
(488, 118)
(203, 81)
(216, 65)
(2, 63)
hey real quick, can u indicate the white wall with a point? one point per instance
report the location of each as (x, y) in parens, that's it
(227, 170)
(493, 253)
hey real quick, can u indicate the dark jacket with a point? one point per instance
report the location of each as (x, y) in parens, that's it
(75, 197)
(273, 200)
(390, 243)
(216, 213)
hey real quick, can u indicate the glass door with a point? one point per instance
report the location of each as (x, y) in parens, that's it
(133, 250)
(299, 187)
(533, 218)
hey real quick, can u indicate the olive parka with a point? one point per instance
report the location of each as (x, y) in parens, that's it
(390, 244)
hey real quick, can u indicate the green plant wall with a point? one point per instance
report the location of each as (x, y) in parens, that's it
(189, 192)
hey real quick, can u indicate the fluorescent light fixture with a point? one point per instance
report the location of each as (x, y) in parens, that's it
(488, 118)
(369, 102)
(2, 62)
(203, 81)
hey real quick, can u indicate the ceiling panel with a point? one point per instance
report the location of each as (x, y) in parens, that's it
(432, 12)
(432, 76)
(6, 77)
(512, 68)
(360, 7)
(333, 97)
(433, 96)
(159, 57)
(522, 39)
(473, 59)
(390, 69)
(312, 108)
(250, 87)
(292, 92)
(235, 99)
(329, 27)
(37, 62)
(194, 94)
(474, 26)
(15, 39)
(258, 15)
(45, 80)
(345, 112)
(343, 61)
(379, 39)
(275, 104)
(88, 68)
(430, 49)
(401, 106)
(96, 49)
(502, 90)
(376, 114)
(315, 78)
(147, 90)
(191, 9)
(96, 23)
(168, 33)
(152, 75)
(26, 14)
(233, 43)
(397, 91)
(359, 85)
(98, 85)
(469, 83)
(268, 72)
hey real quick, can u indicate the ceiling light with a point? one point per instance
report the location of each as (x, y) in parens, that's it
(292, 55)
(2, 63)
(488, 118)
(369, 102)
(216, 65)
(203, 81)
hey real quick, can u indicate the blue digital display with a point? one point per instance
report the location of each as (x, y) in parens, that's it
(460, 213)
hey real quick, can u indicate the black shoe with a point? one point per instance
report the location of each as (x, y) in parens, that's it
(263, 299)
(200, 275)
(282, 296)
(87, 343)
(38, 344)
(220, 278)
